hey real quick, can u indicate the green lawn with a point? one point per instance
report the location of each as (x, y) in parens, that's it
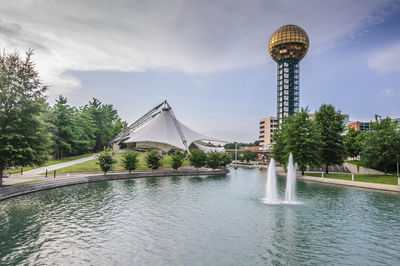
(381, 179)
(63, 160)
(92, 166)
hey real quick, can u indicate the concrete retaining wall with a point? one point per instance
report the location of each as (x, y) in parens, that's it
(362, 170)
(12, 191)
(340, 182)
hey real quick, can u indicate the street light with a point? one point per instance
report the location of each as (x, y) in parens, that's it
(236, 152)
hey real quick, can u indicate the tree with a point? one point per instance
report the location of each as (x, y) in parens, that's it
(248, 155)
(23, 136)
(153, 159)
(64, 128)
(104, 117)
(300, 136)
(213, 160)
(381, 145)
(353, 142)
(225, 160)
(106, 160)
(331, 127)
(130, 160)
(177, 159)
(197, 158)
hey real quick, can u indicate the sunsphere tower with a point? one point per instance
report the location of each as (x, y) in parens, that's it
(287, 46)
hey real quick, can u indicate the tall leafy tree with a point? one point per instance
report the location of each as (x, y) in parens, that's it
(104, 117)
(23, 138)
(381, 145)
(300, 136)
(353, 142)
(64, 128)
(330, 124)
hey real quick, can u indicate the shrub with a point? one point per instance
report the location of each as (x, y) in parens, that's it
(130, 160)
(225, 159)
(197, 158)
(106, 160)
(177, 159)
(213, 160)
(249, 155)
(153, 159)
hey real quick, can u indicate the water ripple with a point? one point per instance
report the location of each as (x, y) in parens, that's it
(199, 221)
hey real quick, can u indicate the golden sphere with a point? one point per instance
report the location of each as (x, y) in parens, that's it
(288, 42)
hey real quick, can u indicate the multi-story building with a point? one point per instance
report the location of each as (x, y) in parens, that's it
(357, 125)
(267, 127)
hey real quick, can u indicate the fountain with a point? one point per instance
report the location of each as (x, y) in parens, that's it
(290, 182)
(271, 196)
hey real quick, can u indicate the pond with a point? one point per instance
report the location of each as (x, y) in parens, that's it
(214, 220)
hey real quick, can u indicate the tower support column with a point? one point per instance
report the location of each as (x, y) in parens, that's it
(288, 88)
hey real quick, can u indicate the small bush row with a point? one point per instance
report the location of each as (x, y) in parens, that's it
(197, 159)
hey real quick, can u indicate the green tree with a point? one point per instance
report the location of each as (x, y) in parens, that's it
(64, 128)
(300, 136)
(106, 160)
(104, 117)
(225, 160)
(177, 159)
(118, 126)
(23, 136)
(130, 160)
(248, 155)
(153, 159)
(381, 145)
(353, 142)
(197, 158)
(331, 127)
(213, 160)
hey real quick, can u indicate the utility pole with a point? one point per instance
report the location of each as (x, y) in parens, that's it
(236, 152)
(397, 165)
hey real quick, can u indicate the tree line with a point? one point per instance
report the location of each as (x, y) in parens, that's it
(31, 131)
(322, 142)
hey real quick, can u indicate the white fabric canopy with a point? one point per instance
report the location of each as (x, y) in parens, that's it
(162, 129)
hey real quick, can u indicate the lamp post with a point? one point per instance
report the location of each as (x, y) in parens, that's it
(236, 152)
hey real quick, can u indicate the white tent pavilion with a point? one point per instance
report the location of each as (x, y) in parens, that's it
(161, 130)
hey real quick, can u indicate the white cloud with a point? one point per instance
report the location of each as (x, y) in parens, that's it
(386, 92)
(190, 36)
(386, 59)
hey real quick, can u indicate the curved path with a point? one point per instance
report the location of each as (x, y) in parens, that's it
(56, 166)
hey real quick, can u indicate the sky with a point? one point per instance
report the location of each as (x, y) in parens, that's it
(209, 58)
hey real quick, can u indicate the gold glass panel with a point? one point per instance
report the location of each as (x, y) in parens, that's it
(288, 42)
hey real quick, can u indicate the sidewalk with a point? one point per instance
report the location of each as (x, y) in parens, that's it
(43, 169)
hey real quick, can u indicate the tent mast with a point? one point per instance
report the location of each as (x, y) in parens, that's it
(177, 126)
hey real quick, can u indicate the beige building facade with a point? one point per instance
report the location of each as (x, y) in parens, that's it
(267, 126)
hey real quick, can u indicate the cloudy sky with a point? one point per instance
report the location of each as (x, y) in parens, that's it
(209, 59)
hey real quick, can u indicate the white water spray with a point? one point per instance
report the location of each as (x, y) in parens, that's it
(271, 196)
(290, 181)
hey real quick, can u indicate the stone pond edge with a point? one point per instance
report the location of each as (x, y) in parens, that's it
(13, 191)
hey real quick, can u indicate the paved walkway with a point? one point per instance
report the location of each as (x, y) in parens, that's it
(368, 185)
(43, 169)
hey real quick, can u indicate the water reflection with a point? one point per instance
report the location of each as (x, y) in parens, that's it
(217, 220)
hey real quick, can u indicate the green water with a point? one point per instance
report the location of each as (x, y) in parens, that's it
(200, 221)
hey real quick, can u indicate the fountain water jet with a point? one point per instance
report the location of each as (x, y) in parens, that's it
(271, 196)
(290, 182)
